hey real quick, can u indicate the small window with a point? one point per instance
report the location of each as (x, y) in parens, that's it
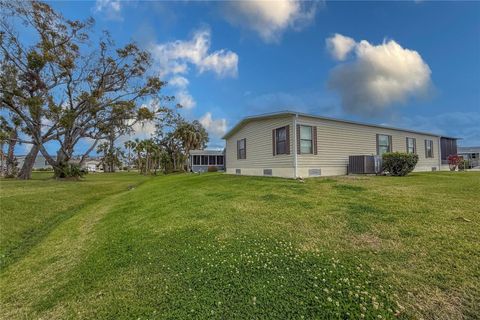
(428, 148)
(384, 144)
(267, 172)
(219, 160)
(411, 145)
(204, 160)
(314, 172)
(306, 141)
(196, 160)
(281, 140)
(211, 160)
(238, 171)
(241, 149)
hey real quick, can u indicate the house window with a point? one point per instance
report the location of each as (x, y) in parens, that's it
(196, 160)
(306, 141)
(428, 148)
(411, 145)
(204, 160)
(281, 140)
(219, 160)
(241, 149)
(384, 144)
(211, 160)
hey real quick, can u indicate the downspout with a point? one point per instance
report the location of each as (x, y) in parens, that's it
(295, 146)
(439, 154)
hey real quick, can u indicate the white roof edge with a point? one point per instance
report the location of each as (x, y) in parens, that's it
(293, 113)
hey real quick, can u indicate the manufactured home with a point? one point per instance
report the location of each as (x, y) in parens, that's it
(291, 144)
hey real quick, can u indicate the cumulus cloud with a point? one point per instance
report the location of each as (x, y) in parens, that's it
(270, 18)
(175, 57)
(215, 127)
(185, 99)
(379, 76)
(339, 46)
(111, 8)
(179, 82)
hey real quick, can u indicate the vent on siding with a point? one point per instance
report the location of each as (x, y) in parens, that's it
(238, 171)
(314, 172)
(434, 168)
(267, 172)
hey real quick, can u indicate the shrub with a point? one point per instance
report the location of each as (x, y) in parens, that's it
(453, 161)
(212, 169)
(463, 164)
(399, 163)
(70, 170)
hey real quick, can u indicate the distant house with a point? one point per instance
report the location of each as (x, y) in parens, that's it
(200, 160)
(472, 154)
(92, 165)
(291, 144)
(40, 162)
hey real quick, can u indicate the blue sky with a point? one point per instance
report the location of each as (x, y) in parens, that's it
(406, 64)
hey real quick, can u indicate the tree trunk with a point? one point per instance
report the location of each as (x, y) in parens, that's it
(27, 167)
(2, 161)
(11, 161)
(60, 164)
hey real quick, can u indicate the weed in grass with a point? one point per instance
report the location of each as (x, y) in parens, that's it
(348, 187)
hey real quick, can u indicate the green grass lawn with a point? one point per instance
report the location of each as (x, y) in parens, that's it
(220, 246)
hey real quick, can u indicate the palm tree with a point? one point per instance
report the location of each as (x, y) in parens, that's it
(192, 136)
(129, 145)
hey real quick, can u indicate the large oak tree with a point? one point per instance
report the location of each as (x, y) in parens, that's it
(67, 87)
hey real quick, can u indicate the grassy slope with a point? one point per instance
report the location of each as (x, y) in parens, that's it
(31, 209)
(243, 247)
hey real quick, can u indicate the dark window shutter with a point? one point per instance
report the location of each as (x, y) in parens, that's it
(287, 133)
(298, 139)
(426, 151)
(273, 141)
(414, 145)
(238, 149)
(315, 145)
(378, 151)
(390, 146)
(245, 144)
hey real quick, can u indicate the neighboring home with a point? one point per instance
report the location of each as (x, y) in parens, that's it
(472, 154)
(200, 160)
(291, 144)
(91, 165)
(40, 162)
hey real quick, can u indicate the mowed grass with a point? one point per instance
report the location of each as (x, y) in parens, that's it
(232, 247)
(31, 209)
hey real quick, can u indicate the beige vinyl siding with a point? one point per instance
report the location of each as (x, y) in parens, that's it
(338, 140)
(258, 135)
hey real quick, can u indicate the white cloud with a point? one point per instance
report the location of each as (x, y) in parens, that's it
(179, 82)
(175, 57)
(270, 18)
(111, 8)
(185, 99)
(216, 127)
(339, 46)
(380, 76)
